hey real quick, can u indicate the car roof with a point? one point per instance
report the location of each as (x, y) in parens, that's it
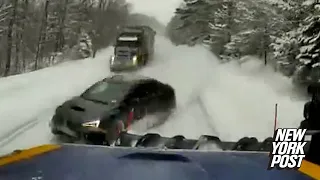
(132, 79)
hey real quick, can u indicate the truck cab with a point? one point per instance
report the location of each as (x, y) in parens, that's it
(133, 48)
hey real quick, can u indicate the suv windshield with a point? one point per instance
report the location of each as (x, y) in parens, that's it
(105, 92)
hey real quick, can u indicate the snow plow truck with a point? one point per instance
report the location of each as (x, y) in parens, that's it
(133, 48)
(152, 156)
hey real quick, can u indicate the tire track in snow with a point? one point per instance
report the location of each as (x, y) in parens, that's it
(209, 119)
(15, 133)
(197, 101)
(21, 129)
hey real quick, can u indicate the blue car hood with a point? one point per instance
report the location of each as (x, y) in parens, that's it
(83, 162)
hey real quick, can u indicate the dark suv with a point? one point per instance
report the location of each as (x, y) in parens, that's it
(110, 106)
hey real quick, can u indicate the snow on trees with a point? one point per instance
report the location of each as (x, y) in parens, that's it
(226, 25)
(285, 33)
(85, 45)
(5, 9)
(4, 15)
(308, 69)
(37, 34)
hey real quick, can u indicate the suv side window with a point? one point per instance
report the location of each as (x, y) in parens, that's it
(146, 90)
(156, 88)
(139, 91)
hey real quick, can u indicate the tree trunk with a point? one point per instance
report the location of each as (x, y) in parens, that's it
(229, 21)
(60, 41)
(265, 43)
(42, 36)
(265, 58)
(17, 51)
(24, 19)
(9, 38)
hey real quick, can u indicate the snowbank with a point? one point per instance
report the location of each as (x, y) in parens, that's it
(25, 97)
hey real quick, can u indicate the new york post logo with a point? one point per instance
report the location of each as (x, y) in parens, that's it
(287, 149)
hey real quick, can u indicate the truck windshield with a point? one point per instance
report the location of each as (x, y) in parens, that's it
(128, 43)
(129, 40)
(121, 50)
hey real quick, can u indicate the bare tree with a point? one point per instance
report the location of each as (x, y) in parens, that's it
(23, 34)
(4, 14)
(35, 35)
(4, 18)
(9, 38)
(60, 40)
(42, 35)
(21, 19)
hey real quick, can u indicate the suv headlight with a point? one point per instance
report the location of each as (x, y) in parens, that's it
(91, 124)
(112, 59)
(135, 60)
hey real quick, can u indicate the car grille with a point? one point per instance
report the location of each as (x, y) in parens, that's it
(124, 53)
(123, 57)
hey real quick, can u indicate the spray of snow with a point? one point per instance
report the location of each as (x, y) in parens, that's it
(229, 100)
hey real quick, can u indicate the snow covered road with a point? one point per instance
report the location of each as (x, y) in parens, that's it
(29, 100)
(221, 99)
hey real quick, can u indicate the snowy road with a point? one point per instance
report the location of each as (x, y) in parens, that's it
(29, 100)
(220, 99)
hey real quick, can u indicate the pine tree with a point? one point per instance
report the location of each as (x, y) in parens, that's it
(309, 63)
(229, 27)
(285, 44)
(195, 19)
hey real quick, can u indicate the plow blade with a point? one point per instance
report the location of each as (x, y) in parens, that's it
(204, 142)
(151, 156)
